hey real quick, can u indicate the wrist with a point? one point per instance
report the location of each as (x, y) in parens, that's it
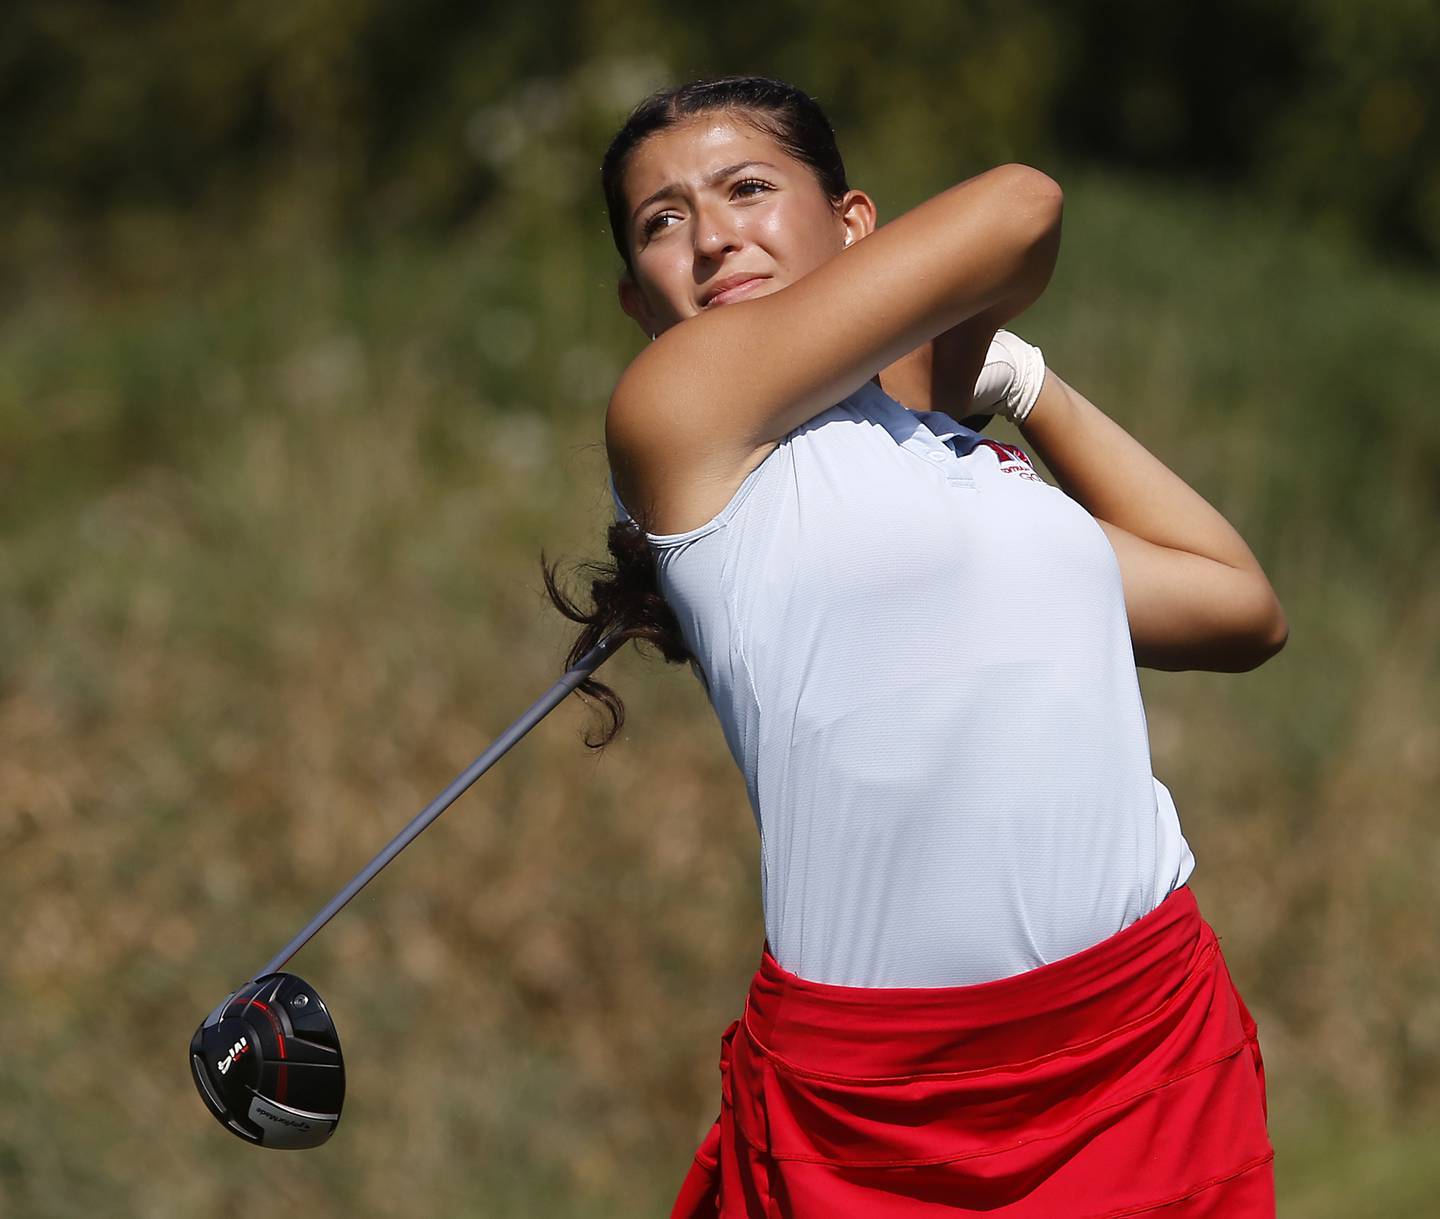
(1011, 379)
(1053, 415)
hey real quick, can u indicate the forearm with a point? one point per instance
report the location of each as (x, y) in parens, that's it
(940, 375)
(1195, 594)
(1101, 466)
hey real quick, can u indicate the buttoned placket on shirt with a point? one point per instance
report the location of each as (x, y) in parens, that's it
(932, 436)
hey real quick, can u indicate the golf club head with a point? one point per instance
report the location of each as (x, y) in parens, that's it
(267, 1064)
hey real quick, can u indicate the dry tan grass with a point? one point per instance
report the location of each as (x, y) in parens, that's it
(238, 661)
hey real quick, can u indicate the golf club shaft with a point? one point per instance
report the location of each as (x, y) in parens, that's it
(586, 665)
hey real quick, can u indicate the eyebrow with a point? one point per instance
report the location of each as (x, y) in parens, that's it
(674, 188)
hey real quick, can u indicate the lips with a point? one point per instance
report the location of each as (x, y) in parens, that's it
(732, 287)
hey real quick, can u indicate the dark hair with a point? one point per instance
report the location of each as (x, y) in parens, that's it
(626, 599)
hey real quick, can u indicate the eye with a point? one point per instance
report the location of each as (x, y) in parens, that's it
(649, 228)
(743, 183)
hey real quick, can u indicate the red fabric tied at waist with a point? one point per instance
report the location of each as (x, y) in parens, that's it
(1114, 1082)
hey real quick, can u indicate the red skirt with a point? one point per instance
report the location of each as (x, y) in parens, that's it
(1118, 1081)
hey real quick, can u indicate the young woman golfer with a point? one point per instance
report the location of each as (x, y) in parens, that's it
(986, 987)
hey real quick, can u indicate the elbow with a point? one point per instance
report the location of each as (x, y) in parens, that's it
(1233, 633)
(1035, 204)
(1278, 633)
(1036, 190)
(1268, 634)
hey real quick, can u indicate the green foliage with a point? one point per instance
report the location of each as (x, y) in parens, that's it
(126, 124)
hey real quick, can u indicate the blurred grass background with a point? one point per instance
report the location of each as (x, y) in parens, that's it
(307, 325)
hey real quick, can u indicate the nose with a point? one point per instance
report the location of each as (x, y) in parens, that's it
(715, 232)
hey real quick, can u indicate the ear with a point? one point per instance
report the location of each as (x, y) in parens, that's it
(857, 215)
(633, 302)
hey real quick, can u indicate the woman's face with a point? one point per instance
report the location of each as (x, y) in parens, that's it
(719, 212)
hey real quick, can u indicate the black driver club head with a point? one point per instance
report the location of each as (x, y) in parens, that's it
(267, 1064)
(267, 1060)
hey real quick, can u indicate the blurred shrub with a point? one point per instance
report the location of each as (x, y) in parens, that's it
(355, 118)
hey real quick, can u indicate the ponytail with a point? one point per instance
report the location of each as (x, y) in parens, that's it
(625, 602)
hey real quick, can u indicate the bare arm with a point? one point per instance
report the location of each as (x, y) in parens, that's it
(1195, 595)
(940, 375)
(696, 406)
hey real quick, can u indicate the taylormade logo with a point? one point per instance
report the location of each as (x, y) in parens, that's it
(240, 1047)
(270, 1116)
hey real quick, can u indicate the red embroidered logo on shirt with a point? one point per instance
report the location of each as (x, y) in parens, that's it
(1013, 460)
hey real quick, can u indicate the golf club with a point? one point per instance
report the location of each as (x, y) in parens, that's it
(267, 1060)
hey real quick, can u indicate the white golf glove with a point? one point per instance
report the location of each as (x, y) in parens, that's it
(1011, 379)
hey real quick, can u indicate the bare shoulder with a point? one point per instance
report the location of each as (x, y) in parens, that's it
(673, 460)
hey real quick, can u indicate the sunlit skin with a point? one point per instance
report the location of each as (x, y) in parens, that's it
(770, 218)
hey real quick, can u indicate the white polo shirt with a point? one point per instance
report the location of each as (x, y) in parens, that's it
(919, 655)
